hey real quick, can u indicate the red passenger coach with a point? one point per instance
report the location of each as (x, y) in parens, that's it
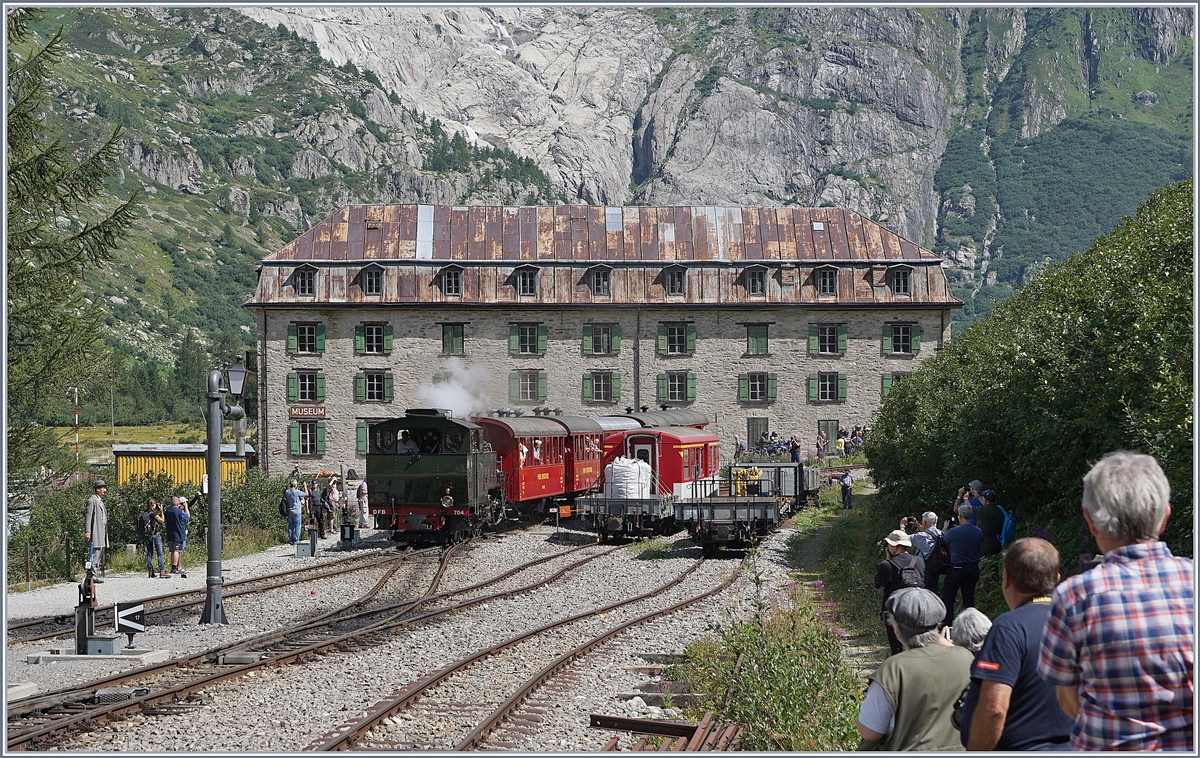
(531, 452)
(583, 457)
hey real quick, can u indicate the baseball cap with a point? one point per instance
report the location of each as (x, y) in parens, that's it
(898, 537)
(989, 495)
(916, 608)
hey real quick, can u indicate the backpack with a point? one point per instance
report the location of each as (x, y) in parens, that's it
(283, 506)
(1008, 531)
(145, 528)
(938, 561)
(906, 575)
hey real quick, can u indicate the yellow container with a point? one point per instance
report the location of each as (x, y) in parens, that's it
(183, 463)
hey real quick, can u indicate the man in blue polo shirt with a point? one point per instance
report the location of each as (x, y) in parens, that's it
(1008, 706)
(964, 541)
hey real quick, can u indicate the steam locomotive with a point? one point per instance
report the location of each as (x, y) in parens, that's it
(436, 478)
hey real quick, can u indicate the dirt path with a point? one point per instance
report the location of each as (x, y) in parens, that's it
(862, 656)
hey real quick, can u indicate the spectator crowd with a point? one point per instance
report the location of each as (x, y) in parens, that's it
(1099, 661)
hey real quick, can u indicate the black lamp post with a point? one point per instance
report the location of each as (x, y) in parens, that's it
(218, 411)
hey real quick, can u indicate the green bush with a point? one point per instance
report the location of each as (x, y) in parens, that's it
(1094, 355)
(793, 690)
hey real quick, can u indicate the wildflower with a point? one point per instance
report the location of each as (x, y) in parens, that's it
(818, 584)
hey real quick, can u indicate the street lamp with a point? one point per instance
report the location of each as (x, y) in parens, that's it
(218, 411)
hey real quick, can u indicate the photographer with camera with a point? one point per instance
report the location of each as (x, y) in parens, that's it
(149, 526)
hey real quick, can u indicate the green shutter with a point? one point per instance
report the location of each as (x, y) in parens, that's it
(812, 388)
(814, 342)
(616, 386)
(514, 387)
(886, 340)
(916, 338)
(662, 388)
(447, 339)
(691, 339)
(360, 387)
(293, 387)
(360, 339)
(772, 387)
(887, 384)
(587, 388)
(587, 339)
(616, 339)
(841, 388)
(320, 388)
(756, 339)
(360, 438)
(662, 339)
(514, 339)
(542, 382)
(389, 387)
(842, 339)
(691, 388)
(291, 340)
(320, 438)
(387, 338)
(459, 332)
(321, 337)
(543, 338)
(294, 438)
(743, 387)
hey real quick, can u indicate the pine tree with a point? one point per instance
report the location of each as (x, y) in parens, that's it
(60, 222)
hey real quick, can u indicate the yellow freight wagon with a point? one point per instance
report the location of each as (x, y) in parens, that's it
(184, 463)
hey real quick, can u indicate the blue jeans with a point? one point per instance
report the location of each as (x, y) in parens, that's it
(293, 527)
(154, 547)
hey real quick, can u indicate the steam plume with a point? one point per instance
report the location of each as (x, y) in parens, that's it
(462, 390)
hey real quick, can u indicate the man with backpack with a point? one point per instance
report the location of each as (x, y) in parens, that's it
(989, 517)
(149, 526)
(176, 519)
(899, 570)
(847, 482)
(931, 546)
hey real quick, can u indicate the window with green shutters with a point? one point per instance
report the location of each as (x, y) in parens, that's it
(601, 339)
(452, 339)
(360, 438)
(306, 438)
(601, 387)
(676, 387)
(757, 387)
(305, 387)
(306, 339)
(372, 339)
(901, 339)
(676, 339)
(827, 387)
(891, 380)
(528, 386)
(827, 339)
(756, 339)
(528, 339)
(374, 387)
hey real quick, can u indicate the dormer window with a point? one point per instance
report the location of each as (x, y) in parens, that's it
(372, 281)
(756, 281)
(826, 282)
(901, 281)
(601, 282)
(304, 281)
(527, 282)
(676, 282)
(452, 281)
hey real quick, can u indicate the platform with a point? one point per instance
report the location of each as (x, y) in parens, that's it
(143, 656)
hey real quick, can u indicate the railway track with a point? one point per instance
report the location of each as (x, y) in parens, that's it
(51, 627)
(179, 684)
(444, 706)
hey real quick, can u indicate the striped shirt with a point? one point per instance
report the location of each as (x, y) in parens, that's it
(1123, 633)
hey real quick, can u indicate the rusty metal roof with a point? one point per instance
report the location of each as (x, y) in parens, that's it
(598, 233)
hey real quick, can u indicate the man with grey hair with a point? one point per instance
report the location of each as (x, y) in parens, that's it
(911, 697)
(964, 541)
(1119, 638)
(295, 499)
(924, 541)
(970, 629)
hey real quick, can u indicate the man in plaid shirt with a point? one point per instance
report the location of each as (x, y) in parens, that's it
(1118, 643)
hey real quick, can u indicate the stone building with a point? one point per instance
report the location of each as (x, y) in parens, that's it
(764, 319)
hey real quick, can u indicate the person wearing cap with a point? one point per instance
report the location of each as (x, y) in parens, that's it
(900, 569)
(910, 699)
(924, 542)
(95, 528)
(1119, 641)
(176, 519)
(1008, 706)
(969, 495)
(964, 541)
(407, 446)
(990, 520)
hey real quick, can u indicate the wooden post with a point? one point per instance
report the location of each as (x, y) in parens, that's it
(67, 539)
(28, 583)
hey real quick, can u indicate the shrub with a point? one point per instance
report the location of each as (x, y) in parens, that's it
(1094, 355)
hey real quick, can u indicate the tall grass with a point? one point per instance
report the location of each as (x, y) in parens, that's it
(791, 690)
(850, 556)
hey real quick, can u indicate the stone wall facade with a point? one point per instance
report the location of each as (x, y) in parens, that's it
(482, 371)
